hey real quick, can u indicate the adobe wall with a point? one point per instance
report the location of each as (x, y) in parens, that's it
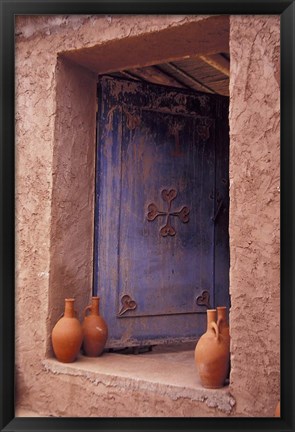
(55, 145)
(254, 212)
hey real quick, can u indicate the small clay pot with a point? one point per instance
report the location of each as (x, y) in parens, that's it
(95, 330)
(67, 334)
(278, 410)
(212, 354)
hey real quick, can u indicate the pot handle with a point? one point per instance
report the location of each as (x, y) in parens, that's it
(214, 327)
(86, 309)
(220, 320)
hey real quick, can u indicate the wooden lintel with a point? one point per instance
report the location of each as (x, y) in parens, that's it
(194, 36)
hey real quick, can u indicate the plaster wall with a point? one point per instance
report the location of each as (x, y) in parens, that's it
(57, 60)
(254, 228)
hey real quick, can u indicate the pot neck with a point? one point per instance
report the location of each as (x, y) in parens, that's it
(221, 314)
(211, 316)
(94, 306)
(69, 308)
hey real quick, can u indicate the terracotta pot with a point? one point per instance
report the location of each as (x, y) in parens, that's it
(224, 328)
(95, 330)
(212, 354)
(223, 323)
(67, 334)
(278, 410)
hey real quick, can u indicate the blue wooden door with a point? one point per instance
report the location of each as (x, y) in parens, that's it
(161, 211)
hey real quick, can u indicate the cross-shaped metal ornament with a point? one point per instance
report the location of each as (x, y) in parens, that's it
(153, 213)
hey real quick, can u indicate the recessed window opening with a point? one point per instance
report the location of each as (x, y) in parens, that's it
(161, 254)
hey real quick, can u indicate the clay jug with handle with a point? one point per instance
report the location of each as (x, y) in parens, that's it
(95, 330)
(212, 354)
(223, 327)
(223, 323)
(67, 334)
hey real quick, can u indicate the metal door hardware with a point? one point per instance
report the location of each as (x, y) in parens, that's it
(127, 304)
(203, 299)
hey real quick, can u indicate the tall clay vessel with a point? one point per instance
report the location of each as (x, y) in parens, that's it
(67, 334)
(223, 327)
(212, 354)
(95, 330)
(223, 323)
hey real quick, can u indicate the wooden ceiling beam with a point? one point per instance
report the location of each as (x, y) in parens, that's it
(128, 74)
(218, 62)
(199, 85)
(157, 76)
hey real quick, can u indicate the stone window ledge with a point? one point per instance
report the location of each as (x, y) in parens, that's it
(162, 371)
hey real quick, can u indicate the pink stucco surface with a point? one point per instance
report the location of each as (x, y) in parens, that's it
(57, 60)
(254, 211)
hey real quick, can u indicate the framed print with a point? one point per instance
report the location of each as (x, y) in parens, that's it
(147, 212)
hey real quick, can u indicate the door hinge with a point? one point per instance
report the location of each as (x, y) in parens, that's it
(127, 304)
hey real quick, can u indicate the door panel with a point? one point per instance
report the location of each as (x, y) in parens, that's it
(166, 233)
(156, 201)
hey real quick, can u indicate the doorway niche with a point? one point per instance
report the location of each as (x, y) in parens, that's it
(77, 72)
(73, 197)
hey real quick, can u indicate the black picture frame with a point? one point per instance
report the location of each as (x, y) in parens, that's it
(8, 9)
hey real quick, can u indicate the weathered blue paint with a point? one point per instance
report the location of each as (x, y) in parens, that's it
(157, 194)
